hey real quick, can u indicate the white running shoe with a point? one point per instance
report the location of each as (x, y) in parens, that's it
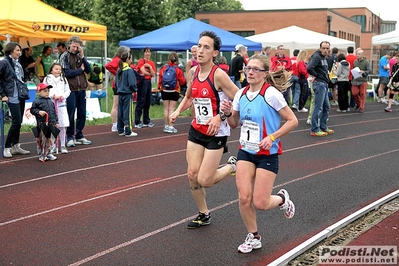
(288, 207)
(309, 122)
(303, 110)
(71, 143)
(64, 150)
(133, 134)
(114, 129)
(233, 162)
(250, 243)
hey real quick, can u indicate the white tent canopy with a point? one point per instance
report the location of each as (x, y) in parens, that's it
(294, 37)
(386, 38)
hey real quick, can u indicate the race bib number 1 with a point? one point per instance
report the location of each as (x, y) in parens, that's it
(203, 110)
(250, 135)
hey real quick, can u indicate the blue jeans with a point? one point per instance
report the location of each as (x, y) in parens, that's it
(296, 90)
(321, 106)
(143, 102)
(76, 101)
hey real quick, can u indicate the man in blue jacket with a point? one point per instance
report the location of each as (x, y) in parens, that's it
(318, 69)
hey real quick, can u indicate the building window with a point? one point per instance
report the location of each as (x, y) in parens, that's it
(360, 19)
(244, 33)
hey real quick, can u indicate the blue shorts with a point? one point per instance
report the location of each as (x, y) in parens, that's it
(267, 162)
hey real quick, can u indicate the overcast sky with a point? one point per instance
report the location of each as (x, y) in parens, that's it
(386, 10)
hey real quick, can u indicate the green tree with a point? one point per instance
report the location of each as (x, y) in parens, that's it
(82, 9)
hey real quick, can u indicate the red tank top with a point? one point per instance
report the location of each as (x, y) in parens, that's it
(203, 90)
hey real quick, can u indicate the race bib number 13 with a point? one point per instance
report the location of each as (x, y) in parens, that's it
(250, 134)
(203, 110)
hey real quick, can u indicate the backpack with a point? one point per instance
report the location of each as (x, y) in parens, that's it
(139, 77)
(169, 77)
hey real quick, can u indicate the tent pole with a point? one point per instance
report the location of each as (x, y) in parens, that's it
(106, 76)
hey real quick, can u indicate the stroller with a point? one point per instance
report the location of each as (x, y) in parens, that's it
(45, 135)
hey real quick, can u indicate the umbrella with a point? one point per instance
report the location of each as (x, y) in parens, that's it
(45, 135)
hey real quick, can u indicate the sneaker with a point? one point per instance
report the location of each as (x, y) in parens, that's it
(122, 133)
(64, 150)
(251, 242)
(16, 149)
(7, 153)
(303, 110)
(139, 125)
(394, 102)
(349, 109)
(334, 103)
(114, 129)
(53, 149)
(309, 122)
(51, 157)
(133, 134)
(329, 131)
(388, 109)
(84, 141)
(202, 219)
(172, 130)
(77, 142)
(294, 106)
(288, 207)
(149, 125)
(318, 134)
(166, 129)
(357, 107)
(233, 162)
(383, 100)
(71, 143)
(42, 159)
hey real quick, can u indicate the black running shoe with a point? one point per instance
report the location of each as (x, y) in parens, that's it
(202, 219)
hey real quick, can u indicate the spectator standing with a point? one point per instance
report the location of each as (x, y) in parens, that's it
(59, 94)
(267, 51)
(282, 61)
(236, 69)
(393, 84)
(318, 69)
(295, 87)
(44, 111)
(112, 67)
(75, 67)
(28, 64)
(351, 57)
(359, 85)
(44, 62)
(207, 87)
(170, 94)
(125, 83)
(222, 63)
(303, 80)
(332, 60)
(147, 68)
(61, 49)
(384, 76)
(10, 71)
(257, 159)
(342, 72)
(193, 60)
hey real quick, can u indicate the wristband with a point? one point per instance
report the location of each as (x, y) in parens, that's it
(272, 137)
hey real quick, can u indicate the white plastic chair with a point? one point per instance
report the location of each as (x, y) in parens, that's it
(374, 84)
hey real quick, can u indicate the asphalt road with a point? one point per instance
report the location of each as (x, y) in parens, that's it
(126, 201)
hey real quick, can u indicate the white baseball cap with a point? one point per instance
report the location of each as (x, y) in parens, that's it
(238, 46)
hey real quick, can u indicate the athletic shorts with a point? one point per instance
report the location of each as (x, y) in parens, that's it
(209, 142)
(384, 80)
(170, 96)
(267, 162)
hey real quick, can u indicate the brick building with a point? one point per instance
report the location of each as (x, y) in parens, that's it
(354, 24)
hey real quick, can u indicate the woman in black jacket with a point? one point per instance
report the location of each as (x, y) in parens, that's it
(10, 70)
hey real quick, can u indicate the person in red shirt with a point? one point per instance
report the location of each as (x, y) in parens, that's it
(170, 96)
(148, 69)
(278, 61)
(112, 67)
(301, 62)
(223, 64)
(350, 58)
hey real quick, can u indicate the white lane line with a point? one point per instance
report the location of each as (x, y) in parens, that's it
(127, 243)
(88, 200)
